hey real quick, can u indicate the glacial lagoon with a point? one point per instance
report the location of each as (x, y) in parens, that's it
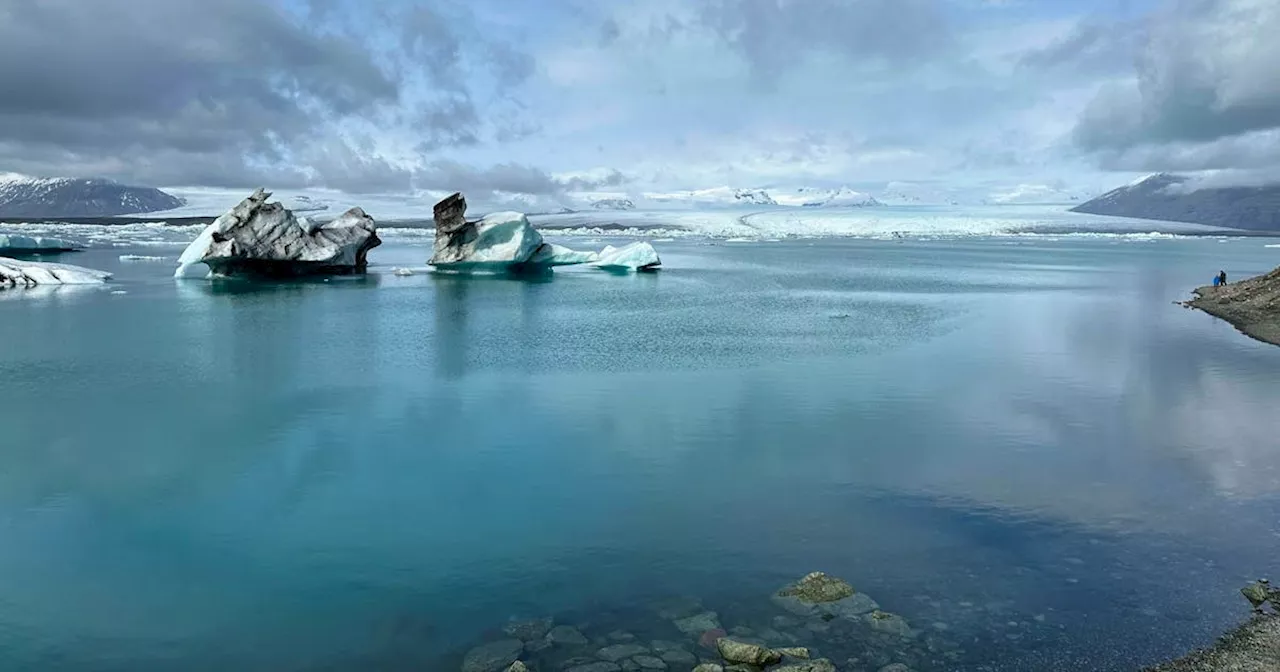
(1016, 443)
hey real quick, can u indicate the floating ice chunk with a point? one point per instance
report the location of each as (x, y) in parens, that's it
(141, 257)
(556, 255)
(12, 243)
(261, 238)
(14, 273)
(634, 257)
(404, 272)
(497, 242)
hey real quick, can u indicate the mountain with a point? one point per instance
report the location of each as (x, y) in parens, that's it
(718, 196)
(77, 197)
(844, 197)
(613, 204)
(1032, 194)
(1170, 198)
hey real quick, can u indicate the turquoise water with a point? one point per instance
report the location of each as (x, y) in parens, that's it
(1017, 443)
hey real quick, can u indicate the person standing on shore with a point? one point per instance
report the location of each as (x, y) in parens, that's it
(1222, 278)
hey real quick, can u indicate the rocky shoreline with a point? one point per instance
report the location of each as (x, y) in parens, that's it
(1252, 647)
(817, 623)
(1252, 306)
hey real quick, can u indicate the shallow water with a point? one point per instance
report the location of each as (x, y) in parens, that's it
(1017, 443)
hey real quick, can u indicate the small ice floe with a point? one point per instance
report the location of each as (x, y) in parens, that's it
(141, 257)
(403, 272)
(16, 273)
(119, 292)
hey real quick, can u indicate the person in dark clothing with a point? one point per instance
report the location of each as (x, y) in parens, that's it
(1222, 277)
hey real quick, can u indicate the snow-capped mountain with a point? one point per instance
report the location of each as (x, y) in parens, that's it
(715, 197)
(303, 203)
(22, 196)
(1175, 198)
(810, 197)
(614, 204)
(1032, 194)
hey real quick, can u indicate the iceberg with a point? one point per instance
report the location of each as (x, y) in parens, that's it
(636, 257)
(11, 243)
(558, 255)
(266, 239)
(17, 273)
(500, 242)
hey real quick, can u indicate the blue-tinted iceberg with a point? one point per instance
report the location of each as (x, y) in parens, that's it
(18, 273)
(634, 257)
(11, 243)
(500, 242)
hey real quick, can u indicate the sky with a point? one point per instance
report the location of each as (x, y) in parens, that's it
(550, 98)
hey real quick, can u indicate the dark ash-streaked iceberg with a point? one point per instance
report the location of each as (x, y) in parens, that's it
(257, 238)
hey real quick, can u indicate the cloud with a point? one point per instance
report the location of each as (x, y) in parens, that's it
(447, 175)
(173, 92)
(777, 35)
(1093, 45)
(1204, 87)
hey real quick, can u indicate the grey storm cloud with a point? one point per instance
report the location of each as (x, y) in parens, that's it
(776, 35)
(174, 92)
(446, 175)
(1094, 46)
(1205, 82)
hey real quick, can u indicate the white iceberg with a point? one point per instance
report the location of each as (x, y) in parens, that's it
(17, 273)
(634, 257)
(12, 243)
(260, 238)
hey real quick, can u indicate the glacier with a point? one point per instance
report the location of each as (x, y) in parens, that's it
(18, 273)
(266, 239)
(12, 243)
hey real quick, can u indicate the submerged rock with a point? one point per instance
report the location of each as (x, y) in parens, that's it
(261, 238)
(742, 652)
(678, 657)
(650, 662)
(17, 273)
(795, 652)
(709, 667)
(566, 635)
(599, 666)
(529, 630)
(892, 624)
(819, 595)
(699, 623)
(619, 651)
(492, 657)
(819, 665)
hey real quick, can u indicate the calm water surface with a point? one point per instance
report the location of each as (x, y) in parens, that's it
(1018, 443)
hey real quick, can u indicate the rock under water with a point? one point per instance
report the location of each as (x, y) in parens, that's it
(17, 273)
(258, 238)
